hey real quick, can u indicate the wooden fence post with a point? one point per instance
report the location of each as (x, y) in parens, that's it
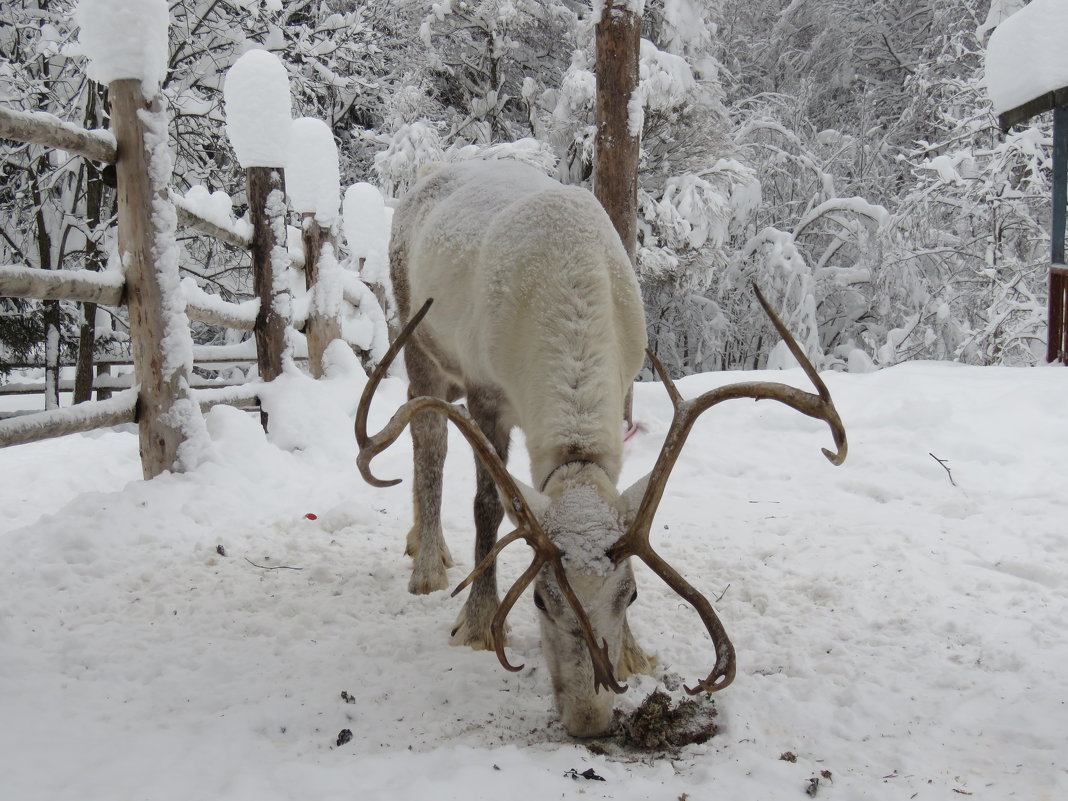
(324, 322)
(258, 123)
(266, 209)
(159, 328)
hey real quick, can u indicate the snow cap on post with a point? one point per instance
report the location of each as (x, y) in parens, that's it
(125, 39)
(366, 226)
(1026, 56)
(313, 178)
(258, 111)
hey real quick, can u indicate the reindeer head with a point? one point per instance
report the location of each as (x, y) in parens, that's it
(583, 515)
(583, 533)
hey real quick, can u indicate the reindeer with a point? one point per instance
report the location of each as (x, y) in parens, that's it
(537, 320)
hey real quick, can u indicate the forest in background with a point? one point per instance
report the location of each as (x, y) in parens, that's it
(842, 154)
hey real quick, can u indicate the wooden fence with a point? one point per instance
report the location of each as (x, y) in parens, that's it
(163, 390)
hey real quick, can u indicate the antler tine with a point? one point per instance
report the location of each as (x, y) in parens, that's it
(545, 550)
(603, 672)
(722, 673)
(791, 343)
(506, 604)
(825, 411)
(635, 542)
(370, 447)
(488, 560)
(665, 379)
(547, 553)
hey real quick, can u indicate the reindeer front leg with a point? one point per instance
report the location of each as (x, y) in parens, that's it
(472, 626)
(426, 542)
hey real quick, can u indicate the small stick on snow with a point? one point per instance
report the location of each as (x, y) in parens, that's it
(943, 463)
(274, 567)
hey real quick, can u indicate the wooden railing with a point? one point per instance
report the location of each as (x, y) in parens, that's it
(162, 391)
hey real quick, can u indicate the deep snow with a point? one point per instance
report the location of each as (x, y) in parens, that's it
(907, 635)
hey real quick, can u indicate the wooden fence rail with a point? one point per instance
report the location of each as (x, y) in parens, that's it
(40, 128)
(120, 408)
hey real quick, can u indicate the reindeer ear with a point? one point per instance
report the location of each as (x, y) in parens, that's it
(631, 499)
(535, 501)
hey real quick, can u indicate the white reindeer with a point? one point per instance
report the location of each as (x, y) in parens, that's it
(537, 319)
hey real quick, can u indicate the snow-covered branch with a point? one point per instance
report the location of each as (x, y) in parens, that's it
(859, 206)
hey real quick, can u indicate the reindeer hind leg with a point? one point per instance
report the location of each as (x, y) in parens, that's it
(472, 627)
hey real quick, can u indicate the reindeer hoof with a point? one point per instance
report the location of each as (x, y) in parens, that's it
(478, 640)
(633, 660)
(472, 633)
(426, 581)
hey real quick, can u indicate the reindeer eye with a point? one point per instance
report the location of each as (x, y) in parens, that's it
(539, 601)
(633, 598)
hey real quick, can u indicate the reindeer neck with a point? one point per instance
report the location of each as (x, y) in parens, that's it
(568, 451)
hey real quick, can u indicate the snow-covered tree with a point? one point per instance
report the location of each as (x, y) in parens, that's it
(840, 153)
(893, 217)
(964, 263)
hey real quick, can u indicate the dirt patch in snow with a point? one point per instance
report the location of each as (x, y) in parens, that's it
(660, 726)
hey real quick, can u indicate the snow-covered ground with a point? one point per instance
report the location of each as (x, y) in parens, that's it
(904, 633)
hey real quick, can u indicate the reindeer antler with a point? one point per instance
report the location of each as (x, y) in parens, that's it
(635, 542)
(545, 550)
(370, 447)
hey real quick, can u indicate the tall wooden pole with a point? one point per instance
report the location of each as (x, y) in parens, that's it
(159, 329)
(615, 160)
(1057, 337)
(616, 146)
